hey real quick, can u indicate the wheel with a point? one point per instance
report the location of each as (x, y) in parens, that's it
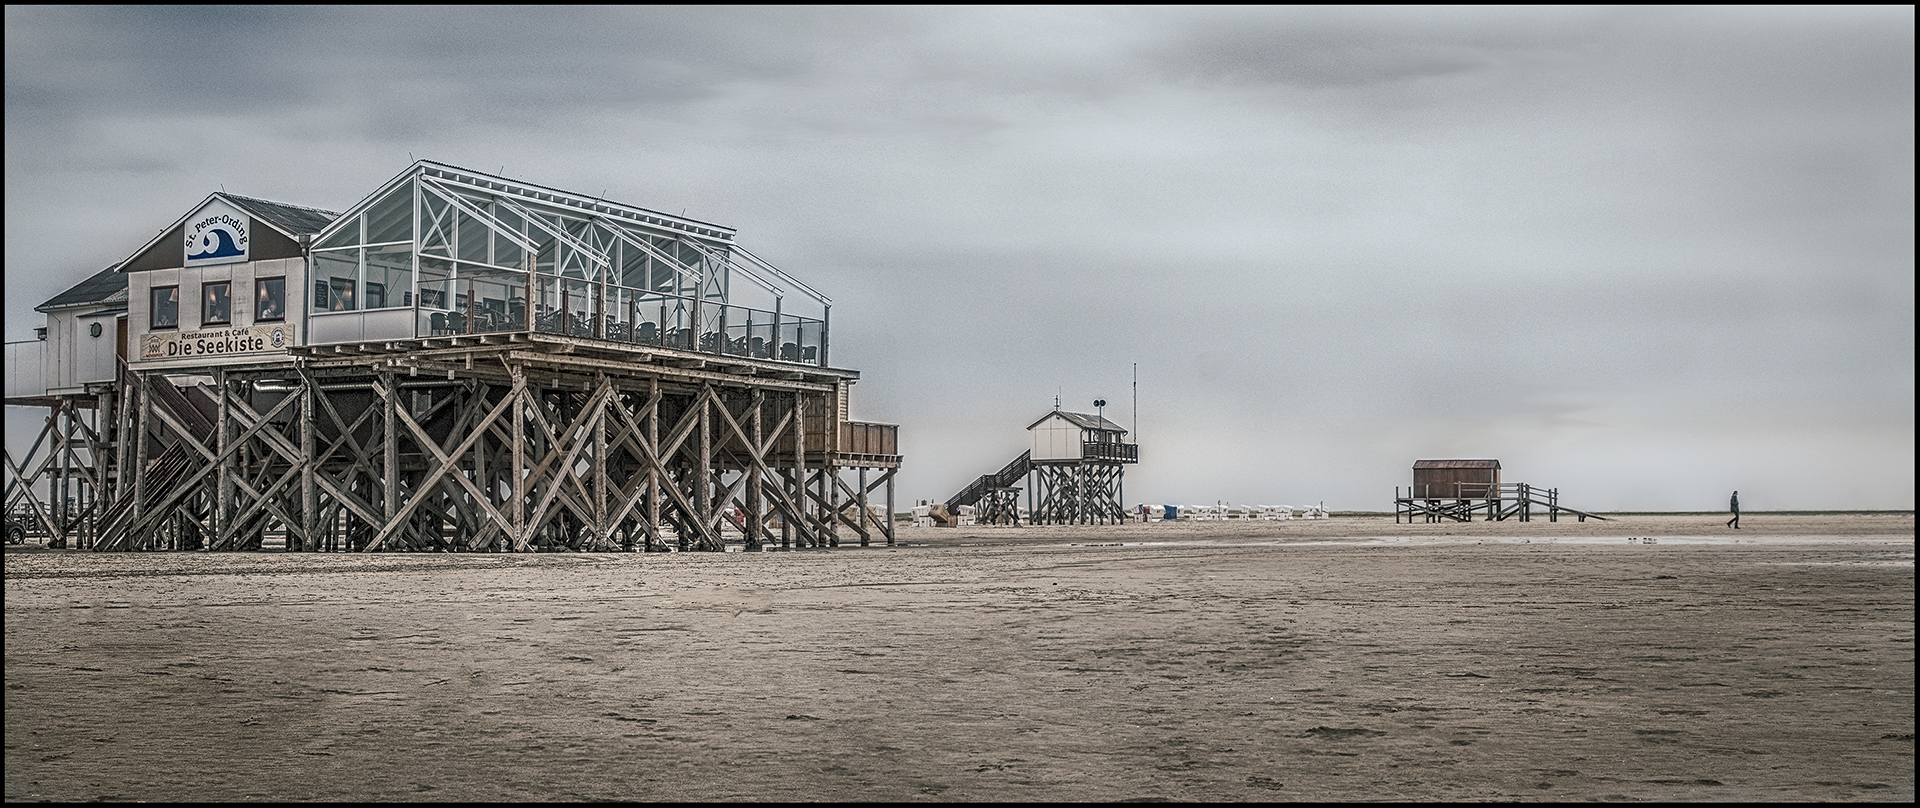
(16, 534)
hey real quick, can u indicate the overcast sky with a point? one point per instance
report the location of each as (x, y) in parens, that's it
(1645, 255)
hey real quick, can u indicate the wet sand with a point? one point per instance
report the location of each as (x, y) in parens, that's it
(1344, 659)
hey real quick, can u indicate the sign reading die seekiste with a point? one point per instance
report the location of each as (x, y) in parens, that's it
(216, 342)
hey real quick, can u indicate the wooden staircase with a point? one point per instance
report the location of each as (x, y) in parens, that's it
(117, 528)
(1004, 478)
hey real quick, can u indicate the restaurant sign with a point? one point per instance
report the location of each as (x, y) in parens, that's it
(216, 342)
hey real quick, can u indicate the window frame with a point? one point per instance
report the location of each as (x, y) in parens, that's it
(206, 302)
(259, 286)
(153, 309)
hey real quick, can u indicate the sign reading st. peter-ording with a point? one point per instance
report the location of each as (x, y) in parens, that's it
(216, 234)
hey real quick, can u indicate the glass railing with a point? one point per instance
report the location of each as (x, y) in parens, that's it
(499, 302)
(576, 308)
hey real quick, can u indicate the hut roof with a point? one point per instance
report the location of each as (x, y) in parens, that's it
(1456, 464)
(1082, 420)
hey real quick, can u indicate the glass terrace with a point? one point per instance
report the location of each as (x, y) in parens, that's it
(442, 252)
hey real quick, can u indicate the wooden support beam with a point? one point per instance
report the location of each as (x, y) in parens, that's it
(521, 538)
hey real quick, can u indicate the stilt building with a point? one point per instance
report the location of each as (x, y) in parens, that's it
(1073, 474)
(1455, 490)
(458, 362)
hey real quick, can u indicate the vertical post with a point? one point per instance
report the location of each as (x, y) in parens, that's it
(829, 495)
(800, 504)
(122, 428)
(223, 494)
(104, 459)
(865, 514)
(57, 460)
(390, 441)
(518, 469)
(703, 473)
(756, 471)
(309, 504)
(483, 474)
(601, 531)
(140, 462)
(653, 473)
(889, 520)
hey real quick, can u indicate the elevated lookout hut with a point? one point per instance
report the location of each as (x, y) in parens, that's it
(1456, 479)
(1073, 471)
(1458, 489)
(1079, 464)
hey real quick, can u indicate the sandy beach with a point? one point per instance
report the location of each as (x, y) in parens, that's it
(1342, 659)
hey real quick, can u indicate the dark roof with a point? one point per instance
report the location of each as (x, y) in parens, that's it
(106, 286)
(292, 219)
(1456, 464)
(1082, 420)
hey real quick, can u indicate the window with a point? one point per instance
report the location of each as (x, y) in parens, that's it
(342, 268)
(166, 307)
(389, 277)
(270, 295)
(216, 306)
(340, 294)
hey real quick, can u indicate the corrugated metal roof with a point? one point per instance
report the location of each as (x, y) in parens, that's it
(106, 286)
(291, 219)
(1456, 464)
(1082, 420)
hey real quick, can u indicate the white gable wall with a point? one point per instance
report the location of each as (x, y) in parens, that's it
(1055, 438)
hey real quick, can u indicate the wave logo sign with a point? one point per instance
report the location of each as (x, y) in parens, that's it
(216, 234)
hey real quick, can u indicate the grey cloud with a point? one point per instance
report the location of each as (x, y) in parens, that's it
(1590, 240)
(1337, 48)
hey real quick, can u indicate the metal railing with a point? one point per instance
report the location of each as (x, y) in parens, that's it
(590, 310)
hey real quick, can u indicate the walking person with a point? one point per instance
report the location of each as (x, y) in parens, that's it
(1734, 505)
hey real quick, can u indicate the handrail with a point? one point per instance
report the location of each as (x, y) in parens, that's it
(1001, 479)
